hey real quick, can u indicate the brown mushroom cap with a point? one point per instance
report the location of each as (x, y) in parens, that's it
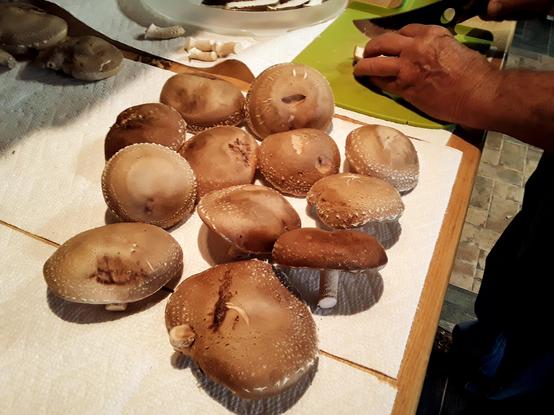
(248, 216)
(149, 183)
(347, 200)
(221, 157)
(289, 96)
(23, 26)
(147, 123)
(293, 161)
(316, 248)
(383, 152)
(203, 100)
(244, 329)
(118, 263)
(87, 58)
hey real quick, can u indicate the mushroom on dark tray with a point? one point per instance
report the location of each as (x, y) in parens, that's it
(23, 27)
(243, 328)
(114, 265)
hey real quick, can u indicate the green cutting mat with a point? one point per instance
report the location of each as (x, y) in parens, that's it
(332, 52)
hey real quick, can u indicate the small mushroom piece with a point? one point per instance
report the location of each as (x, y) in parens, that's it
(114, 264)
(330, 252)
(87, 58)
(201, 55)
(146, 123)
(348, 200)
(205, 45)
(149, 183)
(23, 27)
(224, 49)
(243, 328)
(7, 59)
(292, 161)
(221, 157)
(250, 217)
(358, 53)
(154, 32)
(289, 96)
(204, 101)
(383, 152)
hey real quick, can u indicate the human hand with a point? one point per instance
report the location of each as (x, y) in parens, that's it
(517, 9)
(427, 67)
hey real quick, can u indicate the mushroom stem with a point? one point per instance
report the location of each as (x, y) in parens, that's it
(181, 338)
(7, 60)
(328, 287)
(240, 311)
(116, 307)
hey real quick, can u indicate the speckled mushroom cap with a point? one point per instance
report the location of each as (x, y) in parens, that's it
(248, 216)
(221, 157)
(203, 100)
(293, 161)
(87, 58)
(23, 26)
(147, 123)
(118, 263)
(149, 183)
(376, 150)
(316, 248)
(243, 328)
(348, 200)
(289, 96)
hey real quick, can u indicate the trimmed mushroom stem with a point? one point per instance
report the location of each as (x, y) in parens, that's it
(328, 287)
(181, 338)
(116, 307)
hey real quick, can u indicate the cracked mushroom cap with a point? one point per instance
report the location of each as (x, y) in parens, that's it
(147, 123)
(348, 200)
(204, 101)
(221, 157)
(87, 58)
(293, 161)
(149, 183)
(118, 263)
(23, 26)
(316, 248)
(289, 96)
(383, 152)
(243, 328)
(248, 216)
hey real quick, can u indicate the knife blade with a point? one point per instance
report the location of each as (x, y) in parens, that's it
(446, 13)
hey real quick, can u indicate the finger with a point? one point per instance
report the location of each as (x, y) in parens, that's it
(390, 43)
(382, 66)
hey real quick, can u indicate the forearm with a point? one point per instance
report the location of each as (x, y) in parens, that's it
(518, 103)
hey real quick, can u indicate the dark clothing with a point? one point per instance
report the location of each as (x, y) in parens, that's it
(509, 348)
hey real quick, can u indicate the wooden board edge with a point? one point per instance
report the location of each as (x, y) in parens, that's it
(420, 341)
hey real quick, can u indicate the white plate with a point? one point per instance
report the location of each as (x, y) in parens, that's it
(236, 22)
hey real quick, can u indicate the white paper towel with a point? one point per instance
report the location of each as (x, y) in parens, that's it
(51, 186)
(62, 358)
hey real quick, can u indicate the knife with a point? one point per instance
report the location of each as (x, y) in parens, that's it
(446, 13)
